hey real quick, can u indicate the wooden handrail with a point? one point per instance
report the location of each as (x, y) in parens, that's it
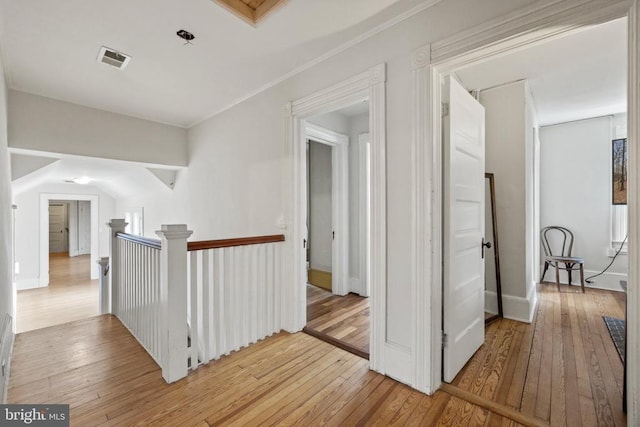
(226, 243)
(141, 240)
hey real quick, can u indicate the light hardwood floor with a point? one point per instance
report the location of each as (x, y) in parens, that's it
(561, 370)
(97, 367)
(71, 295)
(344, 319)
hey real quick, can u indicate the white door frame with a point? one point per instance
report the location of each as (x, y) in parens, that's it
(364, 144)
(339, 144)
(44, 232)
(525, 27)
(368, 85)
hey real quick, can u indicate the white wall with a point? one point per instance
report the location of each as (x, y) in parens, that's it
(576, 193)
(7, 303)
(320, 207)
(43, 124)
(28, 227)
(510, 120)
(234, 184)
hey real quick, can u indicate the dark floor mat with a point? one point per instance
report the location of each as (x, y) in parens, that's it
(616, 330)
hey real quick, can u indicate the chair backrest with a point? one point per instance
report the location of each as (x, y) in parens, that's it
(561, 234)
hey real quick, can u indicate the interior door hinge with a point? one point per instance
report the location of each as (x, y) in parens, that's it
(444, 339)
(445, 109)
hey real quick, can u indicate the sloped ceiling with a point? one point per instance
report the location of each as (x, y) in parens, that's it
(116, 178)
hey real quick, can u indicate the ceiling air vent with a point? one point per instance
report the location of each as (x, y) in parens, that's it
(113, 58)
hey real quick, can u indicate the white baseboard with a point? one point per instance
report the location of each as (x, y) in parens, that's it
(518, 308)
(28, 283)
(398, 363)
(514, 308)
(608, 281)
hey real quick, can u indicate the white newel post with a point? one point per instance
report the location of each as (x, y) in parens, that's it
(173, 296)
(103, 294)
(117, 226)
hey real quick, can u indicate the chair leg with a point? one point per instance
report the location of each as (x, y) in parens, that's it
(546, 267)
(582, 277)
(557, 266)
(569, 270)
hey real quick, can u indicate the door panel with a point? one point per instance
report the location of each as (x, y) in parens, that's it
(463, 288)
(57, 233)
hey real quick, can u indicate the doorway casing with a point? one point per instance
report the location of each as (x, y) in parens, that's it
(525, 27)
(44, 232)
(339, 202)
(368, 85)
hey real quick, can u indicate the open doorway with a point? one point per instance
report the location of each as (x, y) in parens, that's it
(337, 182)
(67, 289)
(549, 132)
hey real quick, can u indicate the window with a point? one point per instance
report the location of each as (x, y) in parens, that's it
(135, 221)
(618, 228)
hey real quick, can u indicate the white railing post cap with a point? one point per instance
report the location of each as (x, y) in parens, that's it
(174, 231)
(117, 223)
(103, 261)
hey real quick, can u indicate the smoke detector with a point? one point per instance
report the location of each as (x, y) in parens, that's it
(113, 58)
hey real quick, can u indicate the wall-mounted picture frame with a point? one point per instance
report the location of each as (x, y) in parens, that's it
(619, 171)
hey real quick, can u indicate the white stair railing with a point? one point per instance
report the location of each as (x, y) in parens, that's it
(190, 303)
(234, 294)
(149, 292)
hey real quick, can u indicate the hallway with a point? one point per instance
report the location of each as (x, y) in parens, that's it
(561, 370)
(98, 368)
(71, 295)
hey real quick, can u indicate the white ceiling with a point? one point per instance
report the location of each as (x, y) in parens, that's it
(578, 76)
(357, 109)
(50, 48)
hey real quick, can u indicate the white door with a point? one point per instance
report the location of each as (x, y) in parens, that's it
(463, 293)
(84, 227)
(57, 235)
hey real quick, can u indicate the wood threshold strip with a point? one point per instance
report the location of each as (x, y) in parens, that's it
(226, 243)
(144, 241)
(335, 342)
(489, 405)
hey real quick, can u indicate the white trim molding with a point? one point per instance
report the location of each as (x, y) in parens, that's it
(368, 85)
(527, 26)
(524, 28)
(519, 308)
(364, 150)
(426, 245)
(633, 290)
(339, 143)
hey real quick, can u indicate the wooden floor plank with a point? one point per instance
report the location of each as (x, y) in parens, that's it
(71, 295)
(97, 367)
(341, 318)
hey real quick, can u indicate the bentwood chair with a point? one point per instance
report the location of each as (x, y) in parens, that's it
(560, 256)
